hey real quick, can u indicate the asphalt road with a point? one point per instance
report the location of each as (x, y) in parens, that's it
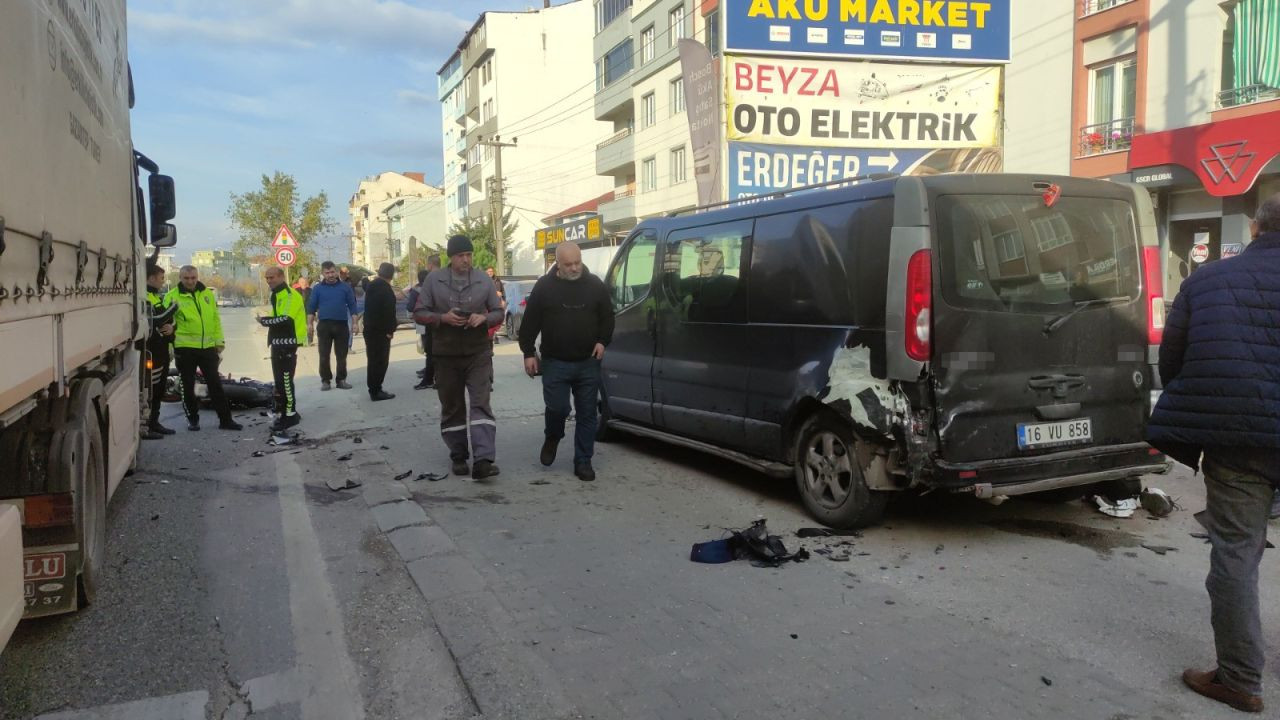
(241, 586)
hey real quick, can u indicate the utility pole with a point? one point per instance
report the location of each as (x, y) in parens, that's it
(390, 257)
(496, 193)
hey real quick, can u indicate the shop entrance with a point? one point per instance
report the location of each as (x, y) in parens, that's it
(1184, 236)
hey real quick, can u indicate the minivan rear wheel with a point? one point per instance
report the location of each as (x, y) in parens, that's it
(830, 478)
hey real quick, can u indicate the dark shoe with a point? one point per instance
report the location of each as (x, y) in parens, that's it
(548, 454)
(160, 429)
(584, 472)
(1205, 682)
(193, 425)
(343, 385)
(421, 372)
(461, 468)
(285, 422)
(484, 469)
(230, 425)
(380, 396)
(324, 385)
(152, 435)
(424, 386)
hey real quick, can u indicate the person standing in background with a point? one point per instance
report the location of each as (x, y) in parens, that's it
(428, 372)
(158, 347)
(330, 307)
(198, 345)
(286, 330)
(379, 328)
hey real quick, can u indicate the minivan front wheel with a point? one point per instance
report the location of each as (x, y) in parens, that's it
(830, 479)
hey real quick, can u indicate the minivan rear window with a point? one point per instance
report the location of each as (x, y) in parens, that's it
(1012, 252)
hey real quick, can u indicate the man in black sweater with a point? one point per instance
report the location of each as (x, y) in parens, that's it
(573, 312)
(379, 328)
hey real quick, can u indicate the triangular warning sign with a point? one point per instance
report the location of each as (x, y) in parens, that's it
(284, 238)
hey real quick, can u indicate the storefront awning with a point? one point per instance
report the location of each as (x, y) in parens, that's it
(1226, 156)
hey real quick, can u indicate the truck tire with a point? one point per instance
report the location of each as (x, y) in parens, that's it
(829, 477)
(89, 483)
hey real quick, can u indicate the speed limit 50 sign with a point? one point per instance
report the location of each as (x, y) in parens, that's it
(286, 256)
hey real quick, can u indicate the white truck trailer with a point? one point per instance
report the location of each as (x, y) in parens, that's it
(73, 311)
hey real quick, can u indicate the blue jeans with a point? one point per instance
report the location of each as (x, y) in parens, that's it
(582, 378)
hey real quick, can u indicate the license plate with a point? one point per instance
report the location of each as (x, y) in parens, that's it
(1042, 435)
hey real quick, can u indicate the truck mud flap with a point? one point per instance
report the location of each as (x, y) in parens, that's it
(49, 580)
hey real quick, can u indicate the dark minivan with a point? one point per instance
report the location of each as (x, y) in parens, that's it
(990, 334)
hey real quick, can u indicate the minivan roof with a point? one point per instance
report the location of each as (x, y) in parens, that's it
(944, 184)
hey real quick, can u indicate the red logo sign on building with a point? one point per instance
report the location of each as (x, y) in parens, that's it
(1227, 156)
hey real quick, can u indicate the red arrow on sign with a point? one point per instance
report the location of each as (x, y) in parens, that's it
(284, 238)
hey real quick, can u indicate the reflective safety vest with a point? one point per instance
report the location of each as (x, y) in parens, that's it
(287, 326)
(197, 324)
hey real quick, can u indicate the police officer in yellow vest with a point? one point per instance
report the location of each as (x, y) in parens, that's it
(158, 341)
(198, 343)
(286, 330)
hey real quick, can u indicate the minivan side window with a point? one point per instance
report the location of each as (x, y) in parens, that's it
(631, 275)
(702, 272)
(822, 266)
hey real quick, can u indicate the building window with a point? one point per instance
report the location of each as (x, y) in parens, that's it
(647, 44)
(1113, 94)
(615, 64)
(677, 96)
(1250, 71)
(487, 110)
(649, 175)
(608, 10)
(648, 111)
(678, 172)
(486, 72)
(713, 32)
(488, 153)
(675, 26)
(1089, 7)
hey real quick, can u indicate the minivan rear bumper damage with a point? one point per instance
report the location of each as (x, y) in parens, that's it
(1020, 476)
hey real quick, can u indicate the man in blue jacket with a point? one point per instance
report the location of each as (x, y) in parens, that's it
(1220, 364)
(332, 302)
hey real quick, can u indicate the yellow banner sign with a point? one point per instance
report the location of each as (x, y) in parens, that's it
(587, 230)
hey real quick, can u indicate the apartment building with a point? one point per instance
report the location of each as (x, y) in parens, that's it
(523, 79)
(390, 209)
(223, 263)
(639, 91)
(1182, 96)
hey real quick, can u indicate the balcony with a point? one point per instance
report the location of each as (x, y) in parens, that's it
(614, 99)
(616, 153)
(1113, 136)
(1247, 95)
(1093, 7)
(620, 212)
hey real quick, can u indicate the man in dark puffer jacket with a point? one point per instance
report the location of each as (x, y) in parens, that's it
(1220, 364)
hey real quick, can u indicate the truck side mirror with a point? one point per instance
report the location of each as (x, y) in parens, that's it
(164, 235)
(164, 203)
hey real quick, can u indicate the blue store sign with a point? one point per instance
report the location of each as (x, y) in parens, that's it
(945, 30)
(757, 169)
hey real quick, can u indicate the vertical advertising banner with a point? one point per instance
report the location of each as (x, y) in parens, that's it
(949, 31)
(702, 105)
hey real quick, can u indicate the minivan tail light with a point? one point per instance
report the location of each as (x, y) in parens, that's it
(1155, 294)
(919, 316)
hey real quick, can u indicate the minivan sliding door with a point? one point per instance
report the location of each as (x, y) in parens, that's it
(703, 363)
(628, 361)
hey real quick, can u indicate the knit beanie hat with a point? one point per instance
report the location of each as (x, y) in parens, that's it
(459, 244)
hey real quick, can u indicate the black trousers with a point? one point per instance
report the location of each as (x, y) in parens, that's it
(284, 365)
(378, 346)
(206, 360)
(159, 378)
(334, 334)
(429, 372)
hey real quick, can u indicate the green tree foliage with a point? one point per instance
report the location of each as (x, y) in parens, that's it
(481, 233)
(258, 214)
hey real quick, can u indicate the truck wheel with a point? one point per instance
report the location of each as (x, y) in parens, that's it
(829, 477)
(89, 485)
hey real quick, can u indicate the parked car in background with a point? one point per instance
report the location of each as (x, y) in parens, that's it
(404, 313)
(517, 297)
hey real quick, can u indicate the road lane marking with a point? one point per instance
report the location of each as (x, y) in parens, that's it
(325, 673)
(184, 706)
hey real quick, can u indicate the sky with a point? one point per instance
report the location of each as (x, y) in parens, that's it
(329, 91)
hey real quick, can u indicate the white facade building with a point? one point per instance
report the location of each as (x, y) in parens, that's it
(387, 210)
(523, 78)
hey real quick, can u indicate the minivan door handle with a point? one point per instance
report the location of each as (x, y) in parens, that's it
(1060, 411)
